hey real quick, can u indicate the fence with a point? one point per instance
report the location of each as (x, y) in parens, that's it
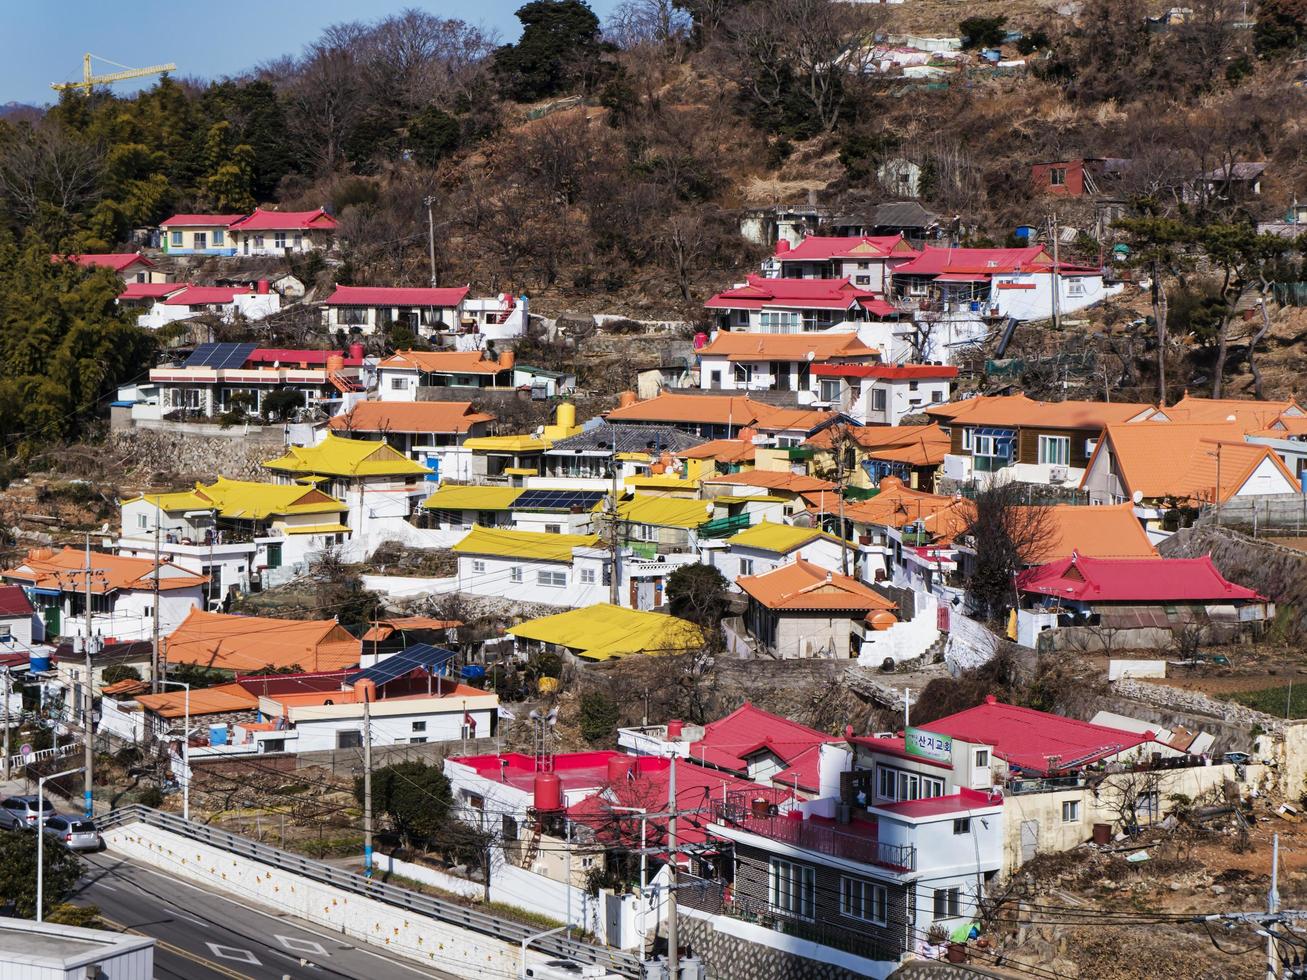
(1268, 516)
(18, 762)
(450, 913)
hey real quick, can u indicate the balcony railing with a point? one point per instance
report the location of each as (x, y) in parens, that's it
(821, 838)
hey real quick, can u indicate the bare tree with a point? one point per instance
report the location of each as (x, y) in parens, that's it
(48, 166)
(1006, 536)
(649, 24)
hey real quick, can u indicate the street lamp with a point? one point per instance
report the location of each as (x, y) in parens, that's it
(186, 747)
(40, 838)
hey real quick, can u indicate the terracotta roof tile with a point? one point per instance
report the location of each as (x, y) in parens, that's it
(455, 417)
(801, 585)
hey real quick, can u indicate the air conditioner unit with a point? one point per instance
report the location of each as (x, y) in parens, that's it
(1057, 474)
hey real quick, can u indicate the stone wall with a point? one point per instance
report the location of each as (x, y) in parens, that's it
(1196, 703)
(734, 950)
(181, 457)
(927, 970)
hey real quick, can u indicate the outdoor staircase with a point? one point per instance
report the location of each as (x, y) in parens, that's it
(532, 849)
(343, 384)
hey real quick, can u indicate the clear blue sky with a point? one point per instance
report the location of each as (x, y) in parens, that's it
(42, 41)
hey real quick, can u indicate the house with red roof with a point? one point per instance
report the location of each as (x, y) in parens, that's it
(18, 620)
(424, 310)
(737, 360)
(164, 303)
(867, 261)
(1142, 600)
(998, 283)
(765, 305)
(262, 232)
(131, 267)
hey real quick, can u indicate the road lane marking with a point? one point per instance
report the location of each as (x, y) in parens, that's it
(234, 953)
(208, 964)
(302, 945)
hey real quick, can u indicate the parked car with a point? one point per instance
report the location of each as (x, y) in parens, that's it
(19, 812)
(77, 833)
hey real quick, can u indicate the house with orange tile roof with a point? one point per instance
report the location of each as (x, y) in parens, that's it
(713, 416)
(912, 454)
(122, 593)
(432, 433)
(747, 361)
(248, 644)
(1250, 414)
(1166, 470)
(1012, 437)
(800, 610)
(401, 375)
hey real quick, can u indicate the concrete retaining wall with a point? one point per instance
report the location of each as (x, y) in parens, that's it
(732, 949)
(416, 937)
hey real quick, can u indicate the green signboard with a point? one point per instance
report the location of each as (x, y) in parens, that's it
(928, 745)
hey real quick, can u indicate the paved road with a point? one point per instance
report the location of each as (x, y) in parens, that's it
(204, 935)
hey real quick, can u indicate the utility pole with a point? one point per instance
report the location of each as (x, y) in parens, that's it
(7, 690)
(1273, 907)
(907, 706)
(673, 961)
(843, 448)
(154, 647)
(430, 202)
(88, 701)
(1057, 301)
(615, 545)
(367, 784)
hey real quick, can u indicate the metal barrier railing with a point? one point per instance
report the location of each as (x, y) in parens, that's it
(452, 913)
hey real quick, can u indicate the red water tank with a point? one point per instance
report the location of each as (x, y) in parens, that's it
(674, 728)
(356, 351)
(548, 792)
(700, 340)
(619, 768)
(262, 286)
(782, 246)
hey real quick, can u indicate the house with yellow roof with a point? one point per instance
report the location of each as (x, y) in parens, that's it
(453, 510)
(650, 525)
(532, 566)
(605, 632)
(237, 532)
(379, 484)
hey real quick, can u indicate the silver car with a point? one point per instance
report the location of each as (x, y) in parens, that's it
(76, 833)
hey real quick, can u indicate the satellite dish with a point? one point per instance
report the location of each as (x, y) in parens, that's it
(1137, 496)
(535, 714)
(552, 717)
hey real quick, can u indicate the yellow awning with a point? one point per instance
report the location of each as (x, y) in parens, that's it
(315, 528)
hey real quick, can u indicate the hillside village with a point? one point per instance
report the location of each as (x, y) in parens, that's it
(890, 566)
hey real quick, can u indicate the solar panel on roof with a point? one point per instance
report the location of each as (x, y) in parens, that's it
(200, 356)
(404, 662)
(234, 356)
(557, 499)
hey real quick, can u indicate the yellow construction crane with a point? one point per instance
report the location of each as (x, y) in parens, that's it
(89, 81)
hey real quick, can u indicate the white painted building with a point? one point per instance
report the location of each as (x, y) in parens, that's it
(170, 302)
(882, 394)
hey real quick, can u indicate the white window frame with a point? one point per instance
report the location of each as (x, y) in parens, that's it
(982, 759)
(1055, 450)
(1075, 286)
(901, 785)
(177, 240)
(1070, 811)
(398, 384)
(515, 573)
(1057, 176)
(588, 576)
(792, 888)
(746, 566)
(218, 237)
(952, 902)
(864, 900)
(278, 239)
(968, 438)
(548, 579)
(478, 566)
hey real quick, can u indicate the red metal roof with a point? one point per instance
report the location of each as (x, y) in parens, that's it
(1036, 741)
(963, 801)
(819, 248)
(262, 220)
(14, 602)
(287, 357)
(759, 292)
(200, 220)
(888, 371)
(934, 261)
(748, 729)
(151, 290)
(446, 296)
(117, 261)
(1134, 580)
(203, 295)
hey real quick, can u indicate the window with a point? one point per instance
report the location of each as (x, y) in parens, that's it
(746, 566)
(279, 239)
(478, 566)
(1057, 176)
(898, 785)
(419, 726)
(553, 529)
(936, 396)
(791, 888)
(714, 379)
(298, 240)
(258, 241)
(948, 903)
(177, 239)
(1091, 446)
(743, 374)
(961, 825)
(352, 316)
(217, 236)
(201, 240)
(916, 287)
(1055, 450)
(830, 389)
(140, 521)
(515, 573)
(863, 900)
(587, 576)
(878, 399)
(1075, 287)
(1070, 811)
(352, 739)
(982, 758)
(398, 384)
(552, 580)
(862, 280)
(421, 740)
(968, 438)
(914, 385)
